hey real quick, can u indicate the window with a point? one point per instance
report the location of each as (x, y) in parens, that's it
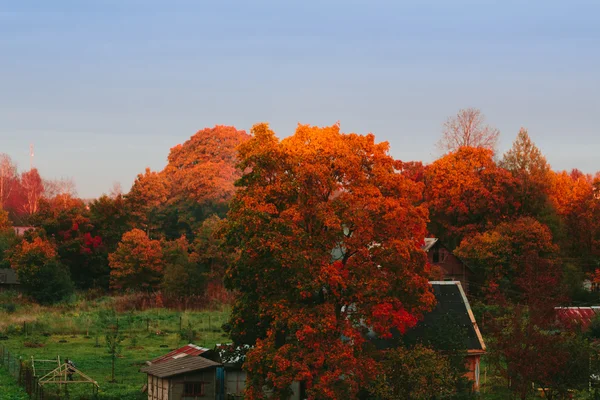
(193, 389)
(439, 255)
(436, 256)
(2, 278)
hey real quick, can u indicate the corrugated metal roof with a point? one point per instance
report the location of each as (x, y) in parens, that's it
(8, 276)
(577, 317)
(179, 366)
(187, 350)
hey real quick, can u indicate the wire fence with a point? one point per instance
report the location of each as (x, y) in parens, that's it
(23, 373)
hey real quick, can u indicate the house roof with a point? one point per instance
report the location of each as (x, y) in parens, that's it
(187, 350)
(8, 276)
(179, 366)
(451, 306)
(429, 242)
(576, 317)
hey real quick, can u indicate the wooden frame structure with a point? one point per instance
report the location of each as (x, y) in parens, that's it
(42, 367)
(66, 374)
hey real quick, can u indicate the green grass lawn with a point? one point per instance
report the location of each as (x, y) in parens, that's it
(146, 335)
(9, 390)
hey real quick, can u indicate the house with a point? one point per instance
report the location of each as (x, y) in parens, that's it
(193, 372)
(20, 230)
(184, 378)
(450, 266)
(185, 351)
(452, 310)
(8, 280)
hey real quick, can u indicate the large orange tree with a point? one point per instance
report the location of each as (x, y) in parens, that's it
(328, 236)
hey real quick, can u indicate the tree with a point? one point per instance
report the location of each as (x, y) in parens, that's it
(149, 192)
(137, 263)
(204, 166)
(500, 253)
(522, 337)
(532, 173)
(413, 373)
(183, 274)
(32, 188)
(110, 220)
(468, 129)
(41, 275)
(65, 220)
(467, 193)
(113, 346)
(8, 177)
(328, 235)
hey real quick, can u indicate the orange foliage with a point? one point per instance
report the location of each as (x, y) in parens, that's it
(137, 262)
(204, 166)
(316, 193)
(466, 193)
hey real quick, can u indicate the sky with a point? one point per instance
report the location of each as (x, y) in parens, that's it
(104, 88)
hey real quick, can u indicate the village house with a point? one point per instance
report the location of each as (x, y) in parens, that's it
(194, 372)
(452, 303)
(8, 280)
(447, 264)
(452, 311)
(183, 375)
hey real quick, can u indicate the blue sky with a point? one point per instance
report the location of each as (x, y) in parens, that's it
(103, 88)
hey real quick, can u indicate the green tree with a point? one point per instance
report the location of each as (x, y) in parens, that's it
(416, 373)
(183, 274)
(113, 346)
(533, 175)
(41, 275)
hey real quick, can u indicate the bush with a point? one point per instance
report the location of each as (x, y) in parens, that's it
(53, 284)
(9, 307)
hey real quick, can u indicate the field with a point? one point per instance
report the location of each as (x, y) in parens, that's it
(78, 332)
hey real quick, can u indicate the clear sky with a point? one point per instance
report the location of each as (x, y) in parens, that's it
(103, 88)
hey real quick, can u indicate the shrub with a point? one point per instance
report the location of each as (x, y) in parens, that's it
(9, 307)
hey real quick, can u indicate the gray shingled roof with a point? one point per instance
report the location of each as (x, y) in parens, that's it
(451, 306)
(8, 276)
(179, 366)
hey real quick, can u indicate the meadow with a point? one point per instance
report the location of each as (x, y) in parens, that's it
(77, 331)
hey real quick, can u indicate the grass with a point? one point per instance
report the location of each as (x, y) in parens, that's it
(9, 388)
(78, 332)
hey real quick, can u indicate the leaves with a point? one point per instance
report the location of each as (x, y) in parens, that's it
(137, 262)
(300, 200)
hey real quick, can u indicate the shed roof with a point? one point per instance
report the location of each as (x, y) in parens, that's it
(187, 350)
(8, 276)
(179, 366)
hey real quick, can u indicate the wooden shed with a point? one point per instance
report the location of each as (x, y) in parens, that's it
(188, 378)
